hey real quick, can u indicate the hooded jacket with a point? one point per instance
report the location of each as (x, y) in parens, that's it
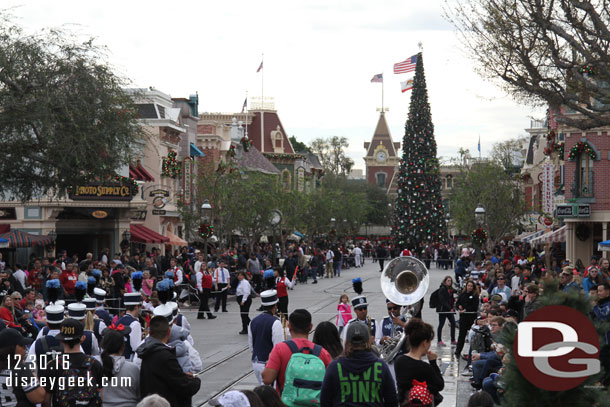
(359, 380)
(121, 395)
(161, 374)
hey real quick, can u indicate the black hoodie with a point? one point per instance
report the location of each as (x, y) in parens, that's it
(358, 381)
(161, 374)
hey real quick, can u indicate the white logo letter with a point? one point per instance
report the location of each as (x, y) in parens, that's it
(525, 336)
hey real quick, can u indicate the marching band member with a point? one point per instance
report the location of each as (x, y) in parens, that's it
(264, 332)
(360, 306)
(133, 304)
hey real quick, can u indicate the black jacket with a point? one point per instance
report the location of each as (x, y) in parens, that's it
(161, 374)
(470, 302)
(445, 299)
(407, 369)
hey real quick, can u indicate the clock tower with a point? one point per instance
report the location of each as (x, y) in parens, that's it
(381, 157)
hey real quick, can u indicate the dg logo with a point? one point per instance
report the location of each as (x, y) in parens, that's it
(557, 348)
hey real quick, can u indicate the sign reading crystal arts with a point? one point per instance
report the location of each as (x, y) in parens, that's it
(101, 192)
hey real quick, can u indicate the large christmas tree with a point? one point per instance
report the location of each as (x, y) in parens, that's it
(418, 210)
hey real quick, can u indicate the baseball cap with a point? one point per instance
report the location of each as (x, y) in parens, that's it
(357, 333)
(231, 398)
(11, 337)
(70, 329)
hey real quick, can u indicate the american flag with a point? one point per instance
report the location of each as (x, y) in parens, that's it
(245, 105)
(406, 85)
(377, 78)
(408, 65)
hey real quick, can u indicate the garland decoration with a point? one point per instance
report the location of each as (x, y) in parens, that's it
(279, 156)
(170, 166)
(581, 146)
(130, 182)
(206, 230)
(231, 152)
(587, 69)
(246, 143)
(479, 236)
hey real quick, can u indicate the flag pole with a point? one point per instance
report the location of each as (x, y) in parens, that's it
(246, 134)
(262, 103)
(382, 85)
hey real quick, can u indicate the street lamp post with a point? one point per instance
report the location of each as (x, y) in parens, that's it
(479, 217)
(206, 214)
(276, 219)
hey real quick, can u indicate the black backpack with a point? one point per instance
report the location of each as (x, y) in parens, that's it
(434, 300)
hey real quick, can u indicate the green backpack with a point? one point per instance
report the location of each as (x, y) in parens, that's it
(303, 377)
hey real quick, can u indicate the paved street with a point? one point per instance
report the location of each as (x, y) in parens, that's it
(225, 355)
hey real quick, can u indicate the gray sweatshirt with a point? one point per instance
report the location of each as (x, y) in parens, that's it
(124, 386)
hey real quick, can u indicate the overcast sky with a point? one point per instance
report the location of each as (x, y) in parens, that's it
(319, 59)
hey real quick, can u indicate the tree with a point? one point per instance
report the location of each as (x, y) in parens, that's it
(331, 152)
(64, 117)
(298, 146)
(552, 52)
(510, 153)
(418, 211)
(489, 185)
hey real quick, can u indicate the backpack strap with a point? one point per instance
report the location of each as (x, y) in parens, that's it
(293, 346)
(44, 344)
(317, 349)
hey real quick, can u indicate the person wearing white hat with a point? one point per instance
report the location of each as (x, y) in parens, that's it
(46, 342)
(78, 312)
(360, 306)
(264, 332)
(133, 304)
(100, 311)
(98, 324)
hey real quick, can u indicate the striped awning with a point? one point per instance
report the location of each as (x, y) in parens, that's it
(142, 234)
(17, 239)
(175, 240)
(528, 237)
(556, 236)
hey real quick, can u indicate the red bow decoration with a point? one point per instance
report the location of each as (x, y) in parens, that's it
(119, 327)
(416, 383)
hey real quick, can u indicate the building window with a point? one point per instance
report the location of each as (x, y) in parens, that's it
(585, 176)
(381, 177)
(286, 180)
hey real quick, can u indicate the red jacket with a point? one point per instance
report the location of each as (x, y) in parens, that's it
(8, 317)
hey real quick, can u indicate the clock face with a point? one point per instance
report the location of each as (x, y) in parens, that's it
(381, 156)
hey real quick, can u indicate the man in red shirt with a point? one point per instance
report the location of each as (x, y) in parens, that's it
(299, 325)
(68, 279)
(35, 276)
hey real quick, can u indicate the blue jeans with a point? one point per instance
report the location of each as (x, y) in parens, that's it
(337, 267)
(490, 387)
(482, 368)
(313, 271)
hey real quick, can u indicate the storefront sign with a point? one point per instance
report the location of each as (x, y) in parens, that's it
(101, 193)
(8, 213)
(161, 192)
(584, 211)
(99, 214)
(548, 175)
(187, 180)
(158, 212)
(301, 179)
(573, 211)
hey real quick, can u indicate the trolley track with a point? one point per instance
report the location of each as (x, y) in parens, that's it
(249, 372)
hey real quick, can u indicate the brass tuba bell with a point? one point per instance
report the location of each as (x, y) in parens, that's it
(404, 281)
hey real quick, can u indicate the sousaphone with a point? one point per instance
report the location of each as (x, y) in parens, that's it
(404, 281)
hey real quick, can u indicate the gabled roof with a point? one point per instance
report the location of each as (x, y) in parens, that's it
(272, 121)
(253, 160)
(382, 136)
